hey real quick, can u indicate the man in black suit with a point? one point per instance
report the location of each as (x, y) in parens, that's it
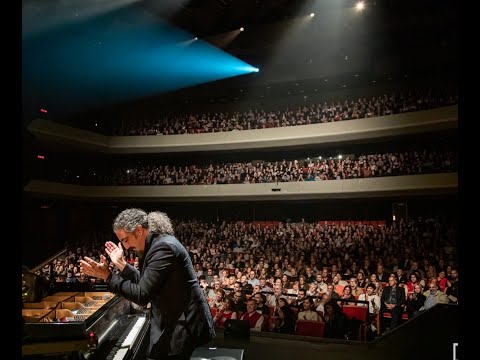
(180, 316)
(393, 297)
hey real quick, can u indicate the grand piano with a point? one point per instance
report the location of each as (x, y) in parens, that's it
(82, 322)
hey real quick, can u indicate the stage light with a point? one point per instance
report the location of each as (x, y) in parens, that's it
(312, 14)
(242, 29)
(247, 69)
(195, 38)
(360, 6)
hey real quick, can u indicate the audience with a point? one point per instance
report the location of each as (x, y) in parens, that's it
(229, 254)
(353, 166)
(308, 113)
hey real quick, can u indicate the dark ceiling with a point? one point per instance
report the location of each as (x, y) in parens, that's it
(397, 37)
(390, 36)
(209, 17)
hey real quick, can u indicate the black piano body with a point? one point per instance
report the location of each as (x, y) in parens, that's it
(83, 321)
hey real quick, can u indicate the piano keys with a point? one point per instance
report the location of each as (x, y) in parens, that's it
(125, 339)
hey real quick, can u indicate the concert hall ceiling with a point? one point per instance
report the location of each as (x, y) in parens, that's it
(280, 38)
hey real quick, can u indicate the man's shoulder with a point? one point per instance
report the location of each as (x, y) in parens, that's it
(160, 239)
(167, 242)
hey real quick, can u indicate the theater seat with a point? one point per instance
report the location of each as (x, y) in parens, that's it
(356, 312)
(309, 328)
(387, 315)
(359, 313)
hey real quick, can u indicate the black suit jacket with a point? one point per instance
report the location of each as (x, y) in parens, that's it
(399, 296)
(180, 316)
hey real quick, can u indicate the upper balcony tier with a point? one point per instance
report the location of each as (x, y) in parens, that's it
(331, 133)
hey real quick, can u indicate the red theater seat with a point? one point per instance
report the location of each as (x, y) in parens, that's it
(387, 315)
(357, 312)
(309, 328)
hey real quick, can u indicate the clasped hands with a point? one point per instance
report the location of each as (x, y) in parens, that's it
(390, 306)
(100, 269)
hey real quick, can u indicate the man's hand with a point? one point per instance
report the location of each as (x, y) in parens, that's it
(96, 269)
(116, 254)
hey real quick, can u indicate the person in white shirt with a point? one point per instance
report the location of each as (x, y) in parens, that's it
(373, 305)
(308, 313)
(372, 298)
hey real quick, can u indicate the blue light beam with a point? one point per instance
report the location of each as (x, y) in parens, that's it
(120, 56)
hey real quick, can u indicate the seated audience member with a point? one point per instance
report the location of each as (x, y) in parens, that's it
(287, 284)
(254, 317)
(326, 276)
(70, 277)
(393, 298)
(203, 284)
(282, 301)
(264, 286)
(373, 308)
(260, 300)
(273, 298)
(217, 301)
(321, 305)
(378, 285)
(361, 281)
(337, 286)
(356, 291)
(415, 301)
(308, 313)
(131, 258)
(414, 279)
(452, 287)
(313, 290)
(373, 300)
(225, 314)
(382, 275)
(347, 295)
(211, 292)
(331, 292)
(321, 284)
(286, 321)
(298, 302)
(256, 289)
(434, 296)
(401, 276)
(442, 281)
(294, 289)
(309, 277)
(336, 322)
(83, 278)
(415, 269)
(302, 283)
(239, 306)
